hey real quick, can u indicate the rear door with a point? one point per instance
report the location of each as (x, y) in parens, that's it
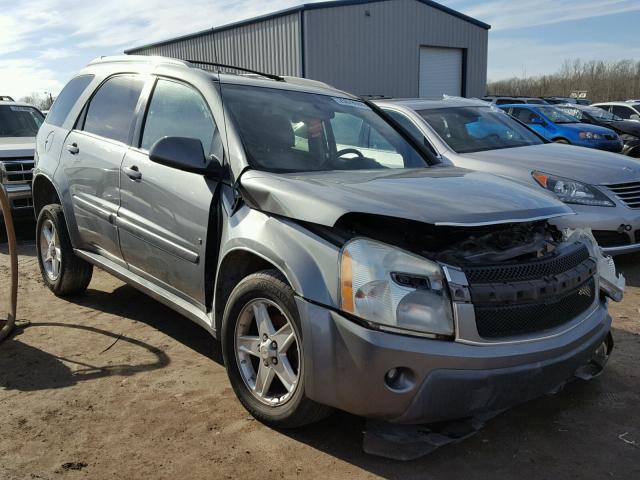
(91, 159)
(164, 217)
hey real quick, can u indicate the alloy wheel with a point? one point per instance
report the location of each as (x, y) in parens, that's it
(267, 350)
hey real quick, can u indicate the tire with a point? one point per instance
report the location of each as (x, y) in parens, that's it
(561, 140)
(72, 275)
(276, 406)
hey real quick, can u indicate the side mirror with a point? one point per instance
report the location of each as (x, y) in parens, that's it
(186, 154)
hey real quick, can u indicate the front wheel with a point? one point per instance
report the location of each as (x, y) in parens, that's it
(63, 272)
(263, 352)
(561, 140)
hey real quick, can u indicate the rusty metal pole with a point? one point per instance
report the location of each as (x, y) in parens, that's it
(7, 325)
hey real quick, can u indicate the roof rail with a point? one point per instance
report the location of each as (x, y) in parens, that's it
(136, 58)
(242, 69)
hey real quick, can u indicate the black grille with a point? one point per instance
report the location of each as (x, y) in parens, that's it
(17, 170)
(570, 258)
(628, 193)
(512, 320)
(608, 238)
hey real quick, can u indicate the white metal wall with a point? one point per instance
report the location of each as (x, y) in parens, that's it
(440, 72)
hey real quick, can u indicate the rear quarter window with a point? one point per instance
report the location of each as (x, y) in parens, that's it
(67, 99)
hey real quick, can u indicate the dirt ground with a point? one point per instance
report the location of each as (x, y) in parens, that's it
(113, 385)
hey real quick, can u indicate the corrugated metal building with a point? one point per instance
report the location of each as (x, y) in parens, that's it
(398, 48)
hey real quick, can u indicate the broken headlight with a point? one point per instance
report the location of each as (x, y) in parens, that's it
(394, 289)
(572, 191)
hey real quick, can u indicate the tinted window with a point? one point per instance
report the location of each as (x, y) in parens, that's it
(623, 112)
(111, 109)
(19, 121)
(507, 101)
(524, 115)
(67, 99)
(287, 131)
(177, 110)
(474, 129)
(536, 101)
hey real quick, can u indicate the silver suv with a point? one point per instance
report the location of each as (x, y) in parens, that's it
(368, 278)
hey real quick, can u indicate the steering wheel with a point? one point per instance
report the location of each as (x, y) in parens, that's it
(344, 151)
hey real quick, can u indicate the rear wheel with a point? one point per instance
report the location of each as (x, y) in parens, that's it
(63, 272)
(263, 352)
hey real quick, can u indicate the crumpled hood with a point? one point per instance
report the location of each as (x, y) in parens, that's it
(437, 195)
(11, 147)
(577, 163)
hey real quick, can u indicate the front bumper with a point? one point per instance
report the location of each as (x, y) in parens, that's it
(447, 379)
(617, 229)
(614, 146)
(20, 199)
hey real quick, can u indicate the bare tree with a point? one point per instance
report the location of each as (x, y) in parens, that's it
(43, 102)
(603, 81)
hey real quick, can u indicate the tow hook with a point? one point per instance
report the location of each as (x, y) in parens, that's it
(598, 361)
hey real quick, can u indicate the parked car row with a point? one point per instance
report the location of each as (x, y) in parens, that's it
(332, 244)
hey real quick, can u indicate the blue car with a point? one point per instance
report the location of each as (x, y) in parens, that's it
(557, 126)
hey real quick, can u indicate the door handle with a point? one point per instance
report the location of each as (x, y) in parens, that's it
(72, 148)
(132, 172)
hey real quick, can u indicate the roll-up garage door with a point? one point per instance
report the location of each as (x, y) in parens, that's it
(440, 71)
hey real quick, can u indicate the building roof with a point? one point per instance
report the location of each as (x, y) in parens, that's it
(301, 8)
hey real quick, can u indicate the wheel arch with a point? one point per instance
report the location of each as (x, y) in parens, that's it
(236, 265)
(308, 263)
(44, 192)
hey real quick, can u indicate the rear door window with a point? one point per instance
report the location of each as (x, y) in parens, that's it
(623, 112)
(67, 99)
(111, 111)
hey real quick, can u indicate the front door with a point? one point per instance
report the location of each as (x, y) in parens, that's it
(166, 215)
(91, 158)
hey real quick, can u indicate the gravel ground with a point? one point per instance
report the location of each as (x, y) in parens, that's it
(113, 385)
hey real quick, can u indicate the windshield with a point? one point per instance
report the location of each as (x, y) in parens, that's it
(19, 121)
(290, 131)
(556, 115)
(475, 129)
(601, 114)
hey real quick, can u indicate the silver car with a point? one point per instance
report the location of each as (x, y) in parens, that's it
(19, 124)
(371, 279)
(602, 188)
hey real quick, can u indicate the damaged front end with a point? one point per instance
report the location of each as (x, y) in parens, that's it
(506, 282)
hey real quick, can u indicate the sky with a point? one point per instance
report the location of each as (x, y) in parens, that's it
(44, 42)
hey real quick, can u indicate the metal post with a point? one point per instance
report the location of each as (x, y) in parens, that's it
(7, 325)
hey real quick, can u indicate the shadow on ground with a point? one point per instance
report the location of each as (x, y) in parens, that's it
(32, 369)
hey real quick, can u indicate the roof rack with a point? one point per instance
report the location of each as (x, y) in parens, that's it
(242, 69)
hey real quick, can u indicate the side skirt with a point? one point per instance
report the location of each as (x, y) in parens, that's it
(172, 301)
